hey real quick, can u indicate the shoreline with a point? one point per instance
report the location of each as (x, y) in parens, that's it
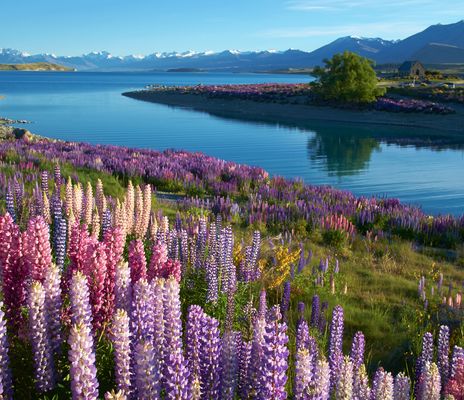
(299, 113)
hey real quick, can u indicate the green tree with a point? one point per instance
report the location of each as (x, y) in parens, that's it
(347, 78)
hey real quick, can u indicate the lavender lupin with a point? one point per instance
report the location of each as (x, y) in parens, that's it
(315, 311)
(210, 357)
(44, 369)
(357, 351)
(6, 384)
(81, 355)
(401, 387)
(443, 353)
(147, 379)
(429, 386)
(285, 303)
(193, 333)
(382, 386)
(229, 361)
(275, 355)
(120, 337)
(244, 386)
(335, 344)
(52, 287)
(175, 375)
(344, 384)
(10, 207)
(142, 316)
(81, 311)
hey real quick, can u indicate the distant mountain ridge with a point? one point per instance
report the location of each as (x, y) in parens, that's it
(435, 45)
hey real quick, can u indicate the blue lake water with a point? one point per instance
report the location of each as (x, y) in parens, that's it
(366, 160)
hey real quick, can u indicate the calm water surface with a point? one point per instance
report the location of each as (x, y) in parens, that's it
(368, 161)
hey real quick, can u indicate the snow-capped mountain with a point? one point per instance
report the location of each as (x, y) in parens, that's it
(436, 44)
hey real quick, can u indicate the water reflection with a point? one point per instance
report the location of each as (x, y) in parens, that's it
(344, 154)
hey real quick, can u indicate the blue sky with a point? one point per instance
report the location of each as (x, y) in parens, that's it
(66, 27)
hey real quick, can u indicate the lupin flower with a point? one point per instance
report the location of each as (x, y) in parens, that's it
(315, 311)
(429, 385)
(95, 269)
(157, 288)
(122, 286)
(357, 351)
(147, 379)
(106, 222)
(81, 355)
(302, 335)
(335, 344)
(81, 312)
(13, 270)
(455, 386)
(37, 251)
(361, 389)
(175, 370)
(320, 385)
(6, 384)
(142, 318)
(137, 261)
(95, 224)
(120, 337)
(88, 205)
(244, 385)
(114, 245)
(344, 384)
(10, 206)
(115, 395)
(212, 280)
(285, 303)
(52, 287)
(382, 386)
(443, 353)
(401, 387)
(275, 355)
(194, 325)
(44, 369)
(458, 356)
(304, 370)
(129, 207)
(60, 241)
(78, 196)
(230, 364)
(57, 175)
(100, 201)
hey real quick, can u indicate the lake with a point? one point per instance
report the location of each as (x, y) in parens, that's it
(419, 167)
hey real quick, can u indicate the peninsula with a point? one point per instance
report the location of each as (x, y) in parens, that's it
(40, 66)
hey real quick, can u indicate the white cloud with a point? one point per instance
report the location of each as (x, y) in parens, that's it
(334, 5)
(368, 29)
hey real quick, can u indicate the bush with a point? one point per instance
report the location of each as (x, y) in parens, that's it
(347, 78)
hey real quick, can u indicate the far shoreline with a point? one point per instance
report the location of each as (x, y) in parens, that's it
(298, 113)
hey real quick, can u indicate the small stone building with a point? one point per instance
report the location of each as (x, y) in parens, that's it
(412, 68)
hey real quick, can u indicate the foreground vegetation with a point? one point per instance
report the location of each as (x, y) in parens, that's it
(234, 243)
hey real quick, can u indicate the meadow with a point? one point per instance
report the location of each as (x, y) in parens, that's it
(242, 286)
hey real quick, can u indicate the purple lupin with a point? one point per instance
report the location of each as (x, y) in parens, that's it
(81, 355)
(274, 363)
(44, 368)
(335, 344)
(6, 384)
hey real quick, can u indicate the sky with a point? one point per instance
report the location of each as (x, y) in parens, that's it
(66, 27)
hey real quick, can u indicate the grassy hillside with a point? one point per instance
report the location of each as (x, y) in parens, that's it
(34, 67)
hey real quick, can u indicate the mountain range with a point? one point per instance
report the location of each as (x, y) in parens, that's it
(438, 44)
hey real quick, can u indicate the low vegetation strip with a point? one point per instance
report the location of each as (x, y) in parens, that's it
(42, 66)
